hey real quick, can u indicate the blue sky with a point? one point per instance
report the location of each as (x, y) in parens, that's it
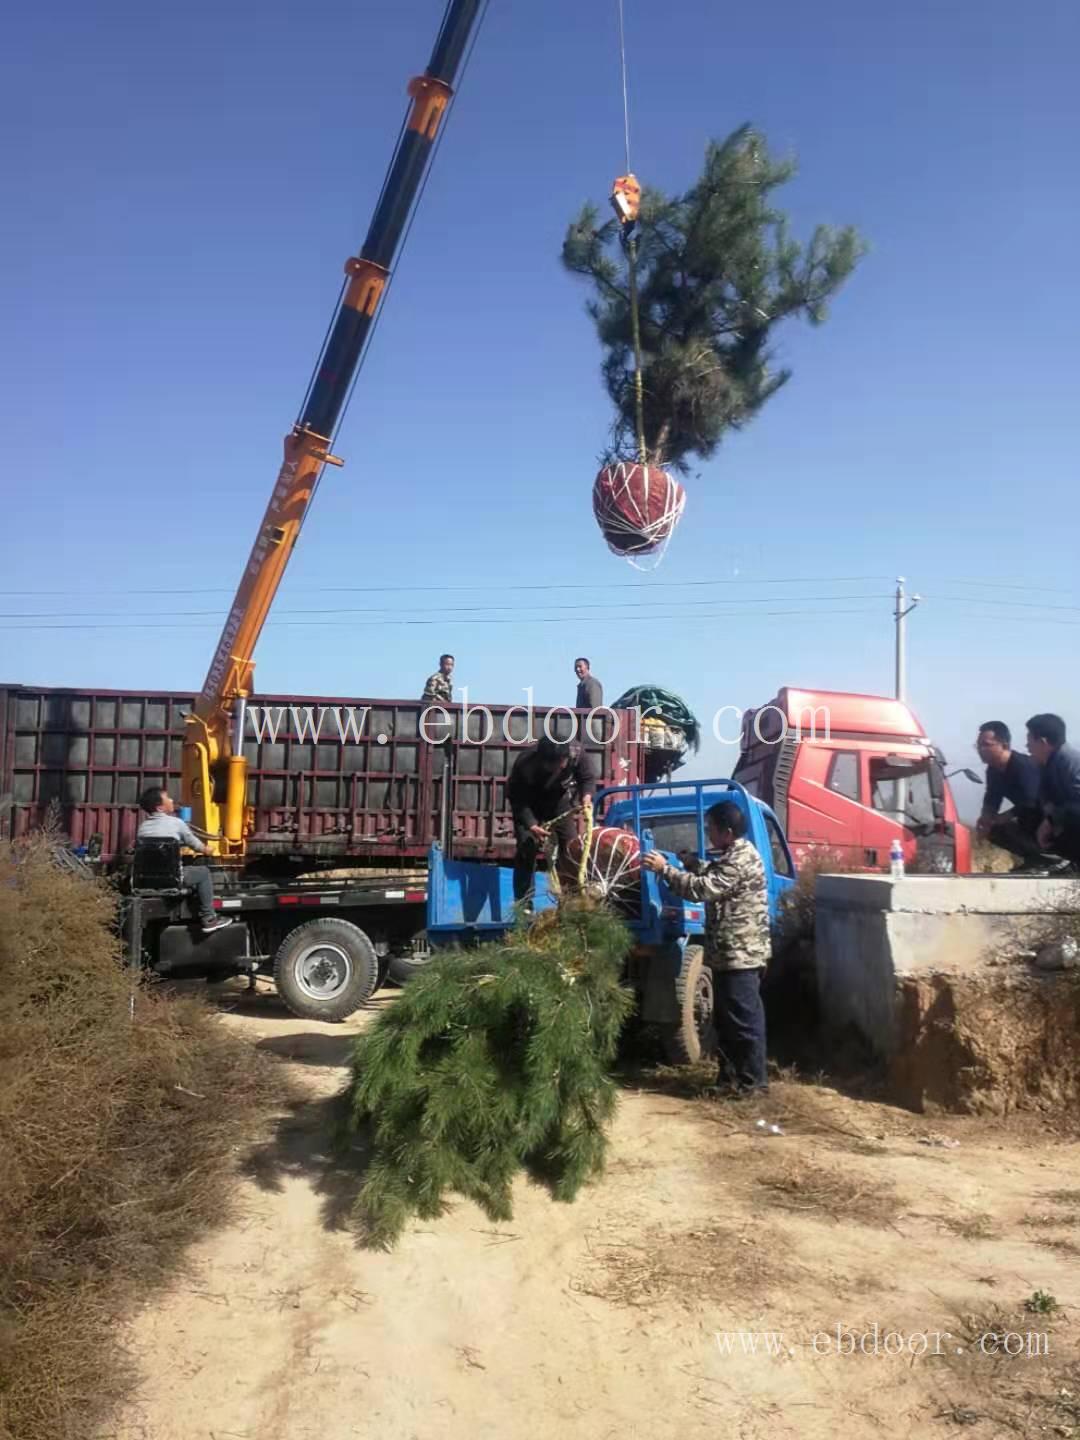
(183, 185)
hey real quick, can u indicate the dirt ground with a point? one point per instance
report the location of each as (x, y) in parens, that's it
(697, 1290)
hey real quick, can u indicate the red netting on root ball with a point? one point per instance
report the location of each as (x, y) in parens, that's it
(637, 508)
(613, 868)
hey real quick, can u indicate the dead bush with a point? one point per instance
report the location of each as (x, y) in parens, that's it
(711, 1263)
(120, 1112)
(827, 1192)
(797, 911)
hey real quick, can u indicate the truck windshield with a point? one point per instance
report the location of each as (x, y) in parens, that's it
(676, 833)
(906, 796)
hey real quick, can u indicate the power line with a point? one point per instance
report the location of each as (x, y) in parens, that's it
(504, 620)
(495, 585)
(587, 605)
(1011, 604)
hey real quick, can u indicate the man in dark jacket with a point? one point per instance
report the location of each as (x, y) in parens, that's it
(1060, 794)
(590, 693)
(1016, 778)
(547, 781)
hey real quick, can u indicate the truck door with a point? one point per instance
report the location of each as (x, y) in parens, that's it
(782, 871)
(826, 800)
(902, 803)
(909, 797)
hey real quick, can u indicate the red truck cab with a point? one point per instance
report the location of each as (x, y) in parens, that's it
(848, 774)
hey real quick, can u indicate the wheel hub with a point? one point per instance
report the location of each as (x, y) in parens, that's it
(323, 971)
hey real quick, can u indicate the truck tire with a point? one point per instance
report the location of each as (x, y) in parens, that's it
(402, 968)
(693, 1037)
(326, 969)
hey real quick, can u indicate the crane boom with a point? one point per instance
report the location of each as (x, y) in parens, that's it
(214, 768)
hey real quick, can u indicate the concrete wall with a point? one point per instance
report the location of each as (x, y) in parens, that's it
(871, 930)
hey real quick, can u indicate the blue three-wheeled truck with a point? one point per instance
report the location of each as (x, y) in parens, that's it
(470, 901)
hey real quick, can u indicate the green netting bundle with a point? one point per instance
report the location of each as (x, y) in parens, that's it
(492, 1059)
(666, 706)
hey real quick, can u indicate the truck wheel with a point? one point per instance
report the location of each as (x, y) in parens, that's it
(403, 967)
(406, 963)
(326, 969)
(693, 1037)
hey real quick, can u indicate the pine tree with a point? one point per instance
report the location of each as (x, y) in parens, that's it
(492, 1059)
(717, 271)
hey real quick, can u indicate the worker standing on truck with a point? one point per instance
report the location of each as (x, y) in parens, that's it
(738, 944)
(590, 693)
(162, 823)
(439, 688)
(546, 784)
(1013, 777)
(1059, 832)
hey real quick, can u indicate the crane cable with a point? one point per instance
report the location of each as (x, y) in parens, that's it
(628, 220)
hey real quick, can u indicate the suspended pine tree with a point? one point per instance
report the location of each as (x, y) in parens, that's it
(717, 270)
(492, 1059)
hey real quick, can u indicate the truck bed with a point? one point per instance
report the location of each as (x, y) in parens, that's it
(80, 758)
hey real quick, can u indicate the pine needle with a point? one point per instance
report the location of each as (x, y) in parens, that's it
(493, 1060)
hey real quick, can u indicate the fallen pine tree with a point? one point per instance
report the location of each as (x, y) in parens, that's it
(493, 1060)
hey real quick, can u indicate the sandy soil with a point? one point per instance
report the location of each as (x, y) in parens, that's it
(601, 1319)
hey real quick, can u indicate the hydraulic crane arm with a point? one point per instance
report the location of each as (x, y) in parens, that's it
(214, 769)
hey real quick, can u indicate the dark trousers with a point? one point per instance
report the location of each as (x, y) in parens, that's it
(740, 1026)
(1016, 834)
(1067, 844)
(198, 877)
(528, 851)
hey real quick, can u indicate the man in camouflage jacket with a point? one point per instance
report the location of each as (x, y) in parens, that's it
(738, 944)
(439, 688)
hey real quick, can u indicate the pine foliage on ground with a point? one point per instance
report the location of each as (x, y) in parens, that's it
(120, 1114)
(493, 1059)
(718, 270)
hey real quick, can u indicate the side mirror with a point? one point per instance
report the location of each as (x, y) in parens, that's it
(967, 774)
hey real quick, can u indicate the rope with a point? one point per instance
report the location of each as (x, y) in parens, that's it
(625, 96)
(647, 521)
(630, 245)
(611, 862)
(635, 330)
(586, 844)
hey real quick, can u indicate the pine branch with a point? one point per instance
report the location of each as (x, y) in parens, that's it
(718, 271)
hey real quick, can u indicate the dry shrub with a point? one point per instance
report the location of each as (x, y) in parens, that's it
(790, 989)
(120, 1111)
(1027, 1392)
(714, 1263)
(821, 1190)
(798, 907)
(977, 1226)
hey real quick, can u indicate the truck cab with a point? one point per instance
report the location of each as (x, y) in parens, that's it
(847, 775)
(469, 901)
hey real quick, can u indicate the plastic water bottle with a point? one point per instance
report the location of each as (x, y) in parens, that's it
(896, 859)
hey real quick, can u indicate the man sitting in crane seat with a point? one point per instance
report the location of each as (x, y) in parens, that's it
(547, 783)
(162, 823)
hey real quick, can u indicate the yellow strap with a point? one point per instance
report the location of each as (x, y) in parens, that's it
(586, 843)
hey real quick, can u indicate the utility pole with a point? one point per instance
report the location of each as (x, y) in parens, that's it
(904, 607)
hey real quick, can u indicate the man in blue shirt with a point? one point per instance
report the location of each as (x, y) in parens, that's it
(1016, 778)
(1060, 792)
